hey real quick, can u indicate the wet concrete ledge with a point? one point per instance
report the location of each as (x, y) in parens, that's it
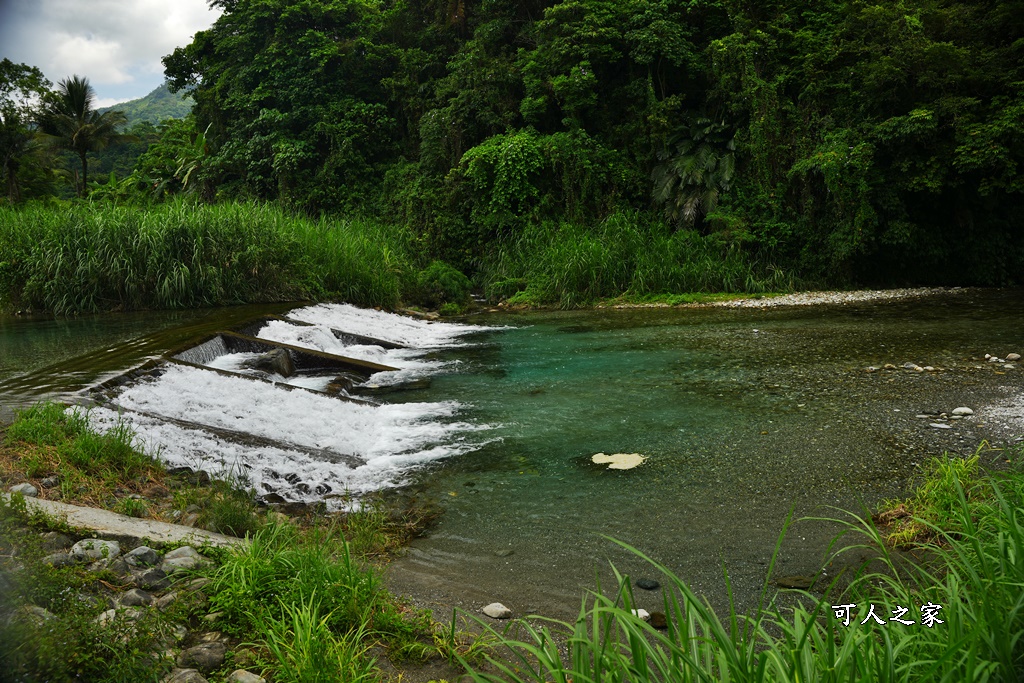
(128, 530)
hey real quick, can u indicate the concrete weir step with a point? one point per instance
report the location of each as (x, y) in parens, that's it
(128, 530)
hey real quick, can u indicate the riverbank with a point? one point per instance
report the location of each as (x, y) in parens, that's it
(772, 300)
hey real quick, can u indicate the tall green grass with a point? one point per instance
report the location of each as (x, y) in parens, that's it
(77, 257)
(572, 265)
(976, 574)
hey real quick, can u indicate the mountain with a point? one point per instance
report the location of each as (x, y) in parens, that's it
(155, 107)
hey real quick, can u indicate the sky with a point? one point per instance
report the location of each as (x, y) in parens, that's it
(116, 44)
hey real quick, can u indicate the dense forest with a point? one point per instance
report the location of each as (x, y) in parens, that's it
(836, 142)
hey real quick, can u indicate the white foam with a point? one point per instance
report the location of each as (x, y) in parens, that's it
(236, 362)
(397, 329)
(411, 363)
(267, 468)
(296, 417)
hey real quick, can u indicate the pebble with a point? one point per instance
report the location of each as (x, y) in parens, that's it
(127, 613)
(27, 490)
(641, 614)
(50, 482)
(647, 584)
(938, 425)
(1013, 357)
(962, 410)
(496, 610)
(659, 620)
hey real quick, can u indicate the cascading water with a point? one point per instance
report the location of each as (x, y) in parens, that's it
(307, 446)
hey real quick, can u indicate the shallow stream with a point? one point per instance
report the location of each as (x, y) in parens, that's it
(744, 416)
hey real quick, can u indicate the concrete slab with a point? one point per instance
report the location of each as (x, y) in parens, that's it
(127, 530)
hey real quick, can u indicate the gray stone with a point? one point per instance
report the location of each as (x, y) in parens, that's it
(143, 556)
(54, 540)
(154, 579)
(213, 617)
(95, 549)
(165, 601)
(243, 676)
(136, 598)
(939, 425)
(1013, 357)
(496, 610)
(58, 560)
(126, 613)
(50, 482)
(647, 584)
(34, 614)
(182, 559)
(278, 361)
(27, 490)
(185, 676)
(129, 530)
(183, 551)
(206, 657)
(962, 410)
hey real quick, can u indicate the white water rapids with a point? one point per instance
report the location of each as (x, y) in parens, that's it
(306, 443)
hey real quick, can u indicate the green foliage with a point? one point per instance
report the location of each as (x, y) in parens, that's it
(305, 649)
(73, 123)
(440, 283)
(90, 258)
(67, 431)
(155, 108)
(22, 88)
(571, 266)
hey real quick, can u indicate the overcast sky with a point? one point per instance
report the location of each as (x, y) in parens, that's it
(116, 44)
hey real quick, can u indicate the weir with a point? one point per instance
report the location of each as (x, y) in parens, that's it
(293, 431)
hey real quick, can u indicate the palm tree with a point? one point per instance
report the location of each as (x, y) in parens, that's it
(73, 122)
(697, 168)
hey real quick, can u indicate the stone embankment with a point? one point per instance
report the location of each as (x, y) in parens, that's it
(146, 582)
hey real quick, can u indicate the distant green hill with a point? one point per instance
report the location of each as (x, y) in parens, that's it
(155, 107)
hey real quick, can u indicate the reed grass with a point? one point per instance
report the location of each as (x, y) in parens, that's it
(976, 576)
(572, 265)
(84, 258)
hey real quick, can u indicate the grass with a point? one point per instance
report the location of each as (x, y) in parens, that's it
(302, 591)
(570, 265)
(93, 257)
(975, 575)
(76, 258)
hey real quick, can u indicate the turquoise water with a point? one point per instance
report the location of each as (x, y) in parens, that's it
(745, 416)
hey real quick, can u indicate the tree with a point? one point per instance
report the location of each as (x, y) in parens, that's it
(22, 89)
(77, 126)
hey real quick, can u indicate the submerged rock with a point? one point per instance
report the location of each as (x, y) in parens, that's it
(641, 614)
(963, 411)
(647, 584)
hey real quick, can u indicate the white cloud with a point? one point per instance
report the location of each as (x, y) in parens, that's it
(116, 44)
